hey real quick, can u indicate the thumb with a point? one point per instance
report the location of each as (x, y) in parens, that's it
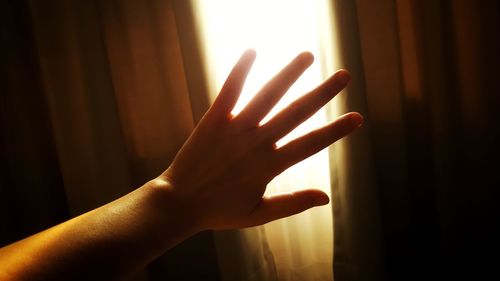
(287, 204)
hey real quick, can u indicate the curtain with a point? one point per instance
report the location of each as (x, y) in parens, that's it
(426, 78)
(94, 103)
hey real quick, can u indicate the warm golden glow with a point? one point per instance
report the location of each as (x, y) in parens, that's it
(278, 30)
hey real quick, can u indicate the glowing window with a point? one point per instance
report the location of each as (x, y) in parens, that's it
(278, 30)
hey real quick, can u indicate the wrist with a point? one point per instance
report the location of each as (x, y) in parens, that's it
(175, 209)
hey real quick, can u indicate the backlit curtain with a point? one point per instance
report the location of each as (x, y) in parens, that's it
(300, 246)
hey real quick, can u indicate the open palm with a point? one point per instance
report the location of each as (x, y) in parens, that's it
(223, 168)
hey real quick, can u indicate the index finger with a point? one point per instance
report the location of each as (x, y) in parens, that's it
(231, 90)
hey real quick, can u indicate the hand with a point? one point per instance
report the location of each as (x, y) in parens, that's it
(222, 170)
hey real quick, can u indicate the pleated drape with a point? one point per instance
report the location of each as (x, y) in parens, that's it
(31, 186)
(108, 78)
(427, 77)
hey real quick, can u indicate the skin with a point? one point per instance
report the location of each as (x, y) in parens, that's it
(216, 181)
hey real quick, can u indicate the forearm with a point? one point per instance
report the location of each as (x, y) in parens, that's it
(106, 243)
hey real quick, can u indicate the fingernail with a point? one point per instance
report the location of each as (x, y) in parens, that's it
(343, 77)
(321, 200)
(356, 120)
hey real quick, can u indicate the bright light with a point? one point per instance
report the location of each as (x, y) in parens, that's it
(278, 30)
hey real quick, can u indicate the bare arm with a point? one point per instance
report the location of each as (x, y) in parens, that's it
(216, 181)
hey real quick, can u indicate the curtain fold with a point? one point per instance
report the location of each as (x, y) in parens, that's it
(76, 81)
(358, 248)
(31, 186)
